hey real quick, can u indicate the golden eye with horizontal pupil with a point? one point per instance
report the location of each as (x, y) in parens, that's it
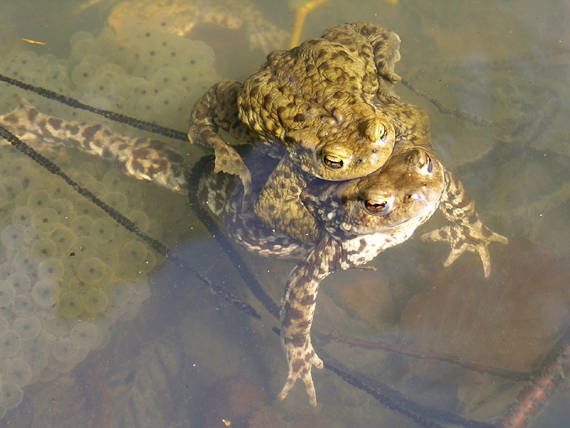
(333, 161)
(376, 206)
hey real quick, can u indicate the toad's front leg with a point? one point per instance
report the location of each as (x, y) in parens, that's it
(279, 203)
(217, 109)
(297, 310)
(466, 231)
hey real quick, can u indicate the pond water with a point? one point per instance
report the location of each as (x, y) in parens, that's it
(99, 328)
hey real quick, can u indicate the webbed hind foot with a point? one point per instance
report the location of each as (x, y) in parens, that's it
(475, 238)
(301, 360)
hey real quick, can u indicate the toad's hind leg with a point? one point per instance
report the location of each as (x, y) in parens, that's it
(219, 194)
(466, 231)
(297, 311)
(217, 109)
(142, 158)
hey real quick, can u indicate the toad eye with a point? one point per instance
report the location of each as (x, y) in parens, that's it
(383, 133)
(426, 164)
(376, 206)
(333, 161)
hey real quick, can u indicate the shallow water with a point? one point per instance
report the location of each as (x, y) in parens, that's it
(98, 329)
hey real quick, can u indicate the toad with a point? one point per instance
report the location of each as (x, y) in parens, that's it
(321, 103)
(355, 221)
(364, 217)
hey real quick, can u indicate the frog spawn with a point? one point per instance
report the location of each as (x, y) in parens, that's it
(62, 272)
(145, 72)
(68, 275)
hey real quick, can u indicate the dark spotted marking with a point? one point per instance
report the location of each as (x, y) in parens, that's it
(54, 122)
(293, 314)
(72, 129)
(43, 128)
(297, 340)
(297, 364)
(307, 300)
(32, 114)
(137, 166)
(90, 131)
(141, 153)
(462, 204)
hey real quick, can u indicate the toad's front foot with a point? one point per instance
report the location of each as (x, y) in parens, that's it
(230, 162)
(475, 238)
(301, 359)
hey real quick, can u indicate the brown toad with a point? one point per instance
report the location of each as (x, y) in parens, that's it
(319, 101)
(364, 217)
(355, 221)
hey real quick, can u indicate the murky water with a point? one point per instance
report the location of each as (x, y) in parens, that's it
(98, 329)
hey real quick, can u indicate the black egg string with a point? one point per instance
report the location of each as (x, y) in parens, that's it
(392, 399)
